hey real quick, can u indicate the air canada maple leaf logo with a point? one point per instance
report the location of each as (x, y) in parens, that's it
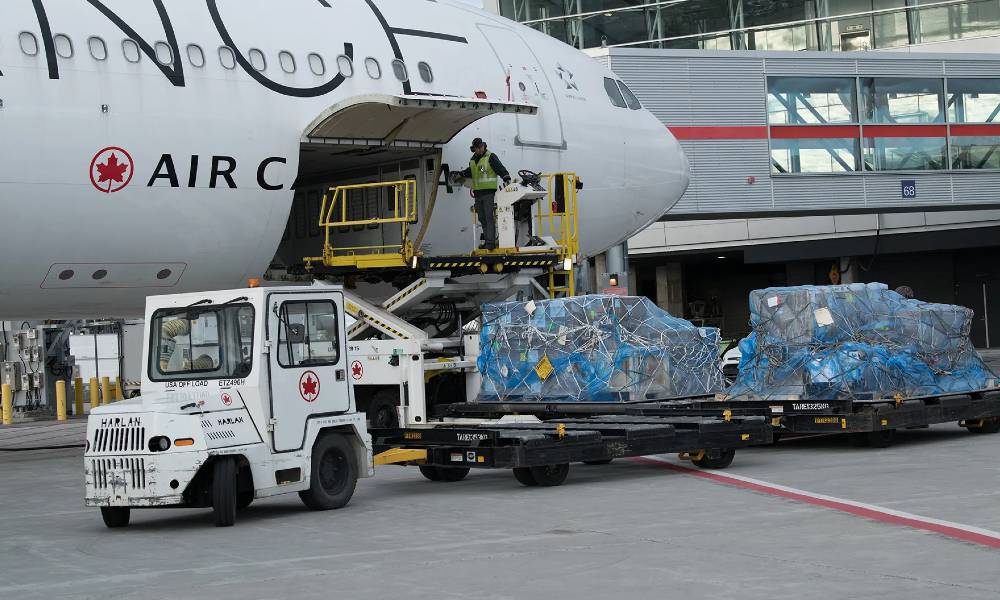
(309, 386)
(111, 170)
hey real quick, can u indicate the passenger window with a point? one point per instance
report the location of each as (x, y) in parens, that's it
(373, 68)
(316, 65)
(399, 70)
(131, 51)
(630, 98)
(227, 58)
(98, 49)
(257, 60)
(29, 43)
(425, 72)
(308, 334)
(345, 66)
(164, 55)
(614, 94)
(64, 46)
(287, 61)
(195, 56)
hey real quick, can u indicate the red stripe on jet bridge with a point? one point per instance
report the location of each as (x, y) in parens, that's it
(736, 132)
(871, 513)
(905, 131)
(972, 130)
(815, 132)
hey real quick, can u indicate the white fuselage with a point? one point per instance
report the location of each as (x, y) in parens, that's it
(73, 85)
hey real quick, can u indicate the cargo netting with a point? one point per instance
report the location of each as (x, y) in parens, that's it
(856, 341)
(599, 348)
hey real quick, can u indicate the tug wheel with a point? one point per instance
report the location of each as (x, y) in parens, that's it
(334, 474)
(224, 491)
(711, 460)
(382, 413)
(115, 516)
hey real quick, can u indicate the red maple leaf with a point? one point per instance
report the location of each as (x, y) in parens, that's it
(112, 171)
(356, 369)
(309, 387)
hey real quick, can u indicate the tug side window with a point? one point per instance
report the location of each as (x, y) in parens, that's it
(308, 334)
(202, 342)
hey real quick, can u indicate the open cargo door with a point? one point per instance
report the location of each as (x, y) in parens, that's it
(384, 120)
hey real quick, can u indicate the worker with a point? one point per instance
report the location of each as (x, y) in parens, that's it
(484, 169)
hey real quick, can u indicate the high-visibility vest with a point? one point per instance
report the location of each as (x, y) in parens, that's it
(483, 176)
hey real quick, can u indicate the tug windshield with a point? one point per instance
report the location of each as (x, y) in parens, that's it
(201, 342)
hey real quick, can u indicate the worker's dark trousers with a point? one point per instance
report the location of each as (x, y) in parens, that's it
(486, 211)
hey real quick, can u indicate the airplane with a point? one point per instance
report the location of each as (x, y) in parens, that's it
(166, 146)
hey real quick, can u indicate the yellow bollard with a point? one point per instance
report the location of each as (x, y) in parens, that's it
(95, 398)
(119, 391)
(114, 394)
(105, 391)
(60, 400)
(8, 404)
(78, 397)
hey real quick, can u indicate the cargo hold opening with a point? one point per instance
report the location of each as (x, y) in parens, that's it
(372, 139)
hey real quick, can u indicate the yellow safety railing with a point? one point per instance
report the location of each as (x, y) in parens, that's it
(559, 217)
(334, 213)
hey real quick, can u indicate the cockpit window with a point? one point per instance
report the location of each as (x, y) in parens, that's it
(614, 93)
(202, 342)
(630, 98)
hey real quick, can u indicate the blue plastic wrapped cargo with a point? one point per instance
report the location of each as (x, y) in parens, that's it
(599, 348)
(856, 341)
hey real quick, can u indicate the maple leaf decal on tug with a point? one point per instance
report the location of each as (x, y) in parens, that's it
(309, 386)
(111, 170)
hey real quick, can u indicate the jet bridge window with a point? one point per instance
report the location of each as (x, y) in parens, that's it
(630, 99)
(909, 101)
(974, 100)
(811, 100)
(201, 342)
(614, 94)
(308, 334)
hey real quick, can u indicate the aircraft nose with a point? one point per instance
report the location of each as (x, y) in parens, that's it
(659, 167)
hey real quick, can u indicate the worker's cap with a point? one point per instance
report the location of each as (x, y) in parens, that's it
(477, 143)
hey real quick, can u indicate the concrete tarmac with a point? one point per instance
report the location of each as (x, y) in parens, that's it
(632, 529)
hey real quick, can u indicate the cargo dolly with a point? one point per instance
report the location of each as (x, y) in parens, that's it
(540, 452)
(870, 421)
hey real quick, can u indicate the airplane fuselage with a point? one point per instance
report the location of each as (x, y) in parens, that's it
(153, 146)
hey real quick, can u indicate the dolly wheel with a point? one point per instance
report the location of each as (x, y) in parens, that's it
(881, 438)
(550, 475)
(115, 516)
(987, 425)
(603, 461)
(382, 413)
(524, 477)
(431, 473)
(718, 459)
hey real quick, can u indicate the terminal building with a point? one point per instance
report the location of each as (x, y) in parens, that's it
(811, 164)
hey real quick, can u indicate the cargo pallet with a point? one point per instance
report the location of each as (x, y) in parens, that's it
(539, 452)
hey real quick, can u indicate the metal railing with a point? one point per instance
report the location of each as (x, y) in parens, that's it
(334, 213)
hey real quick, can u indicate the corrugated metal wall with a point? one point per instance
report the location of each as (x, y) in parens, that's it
(709, 88)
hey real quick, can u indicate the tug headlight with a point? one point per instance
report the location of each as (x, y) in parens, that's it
(159, 443)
